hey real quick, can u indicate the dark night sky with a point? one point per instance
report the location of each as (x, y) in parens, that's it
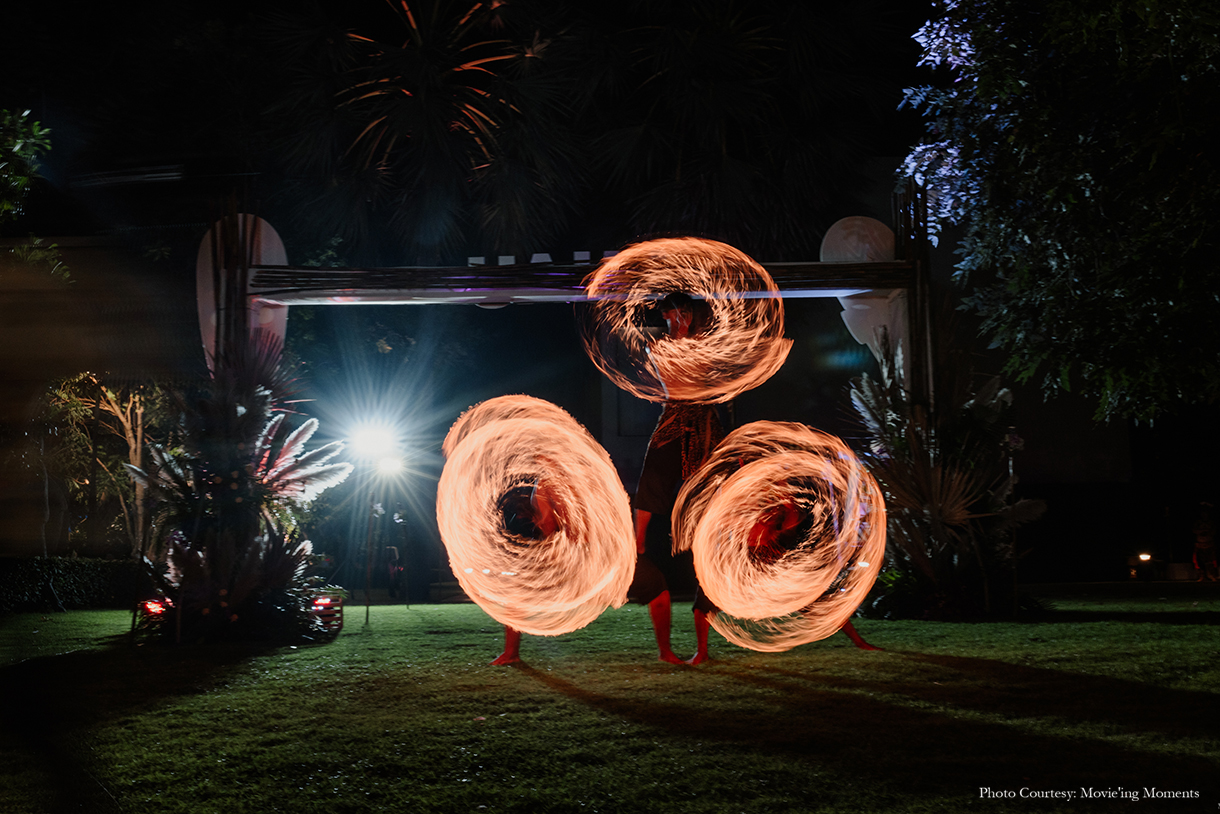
(145, 85)
(132, 86)
(138, 89)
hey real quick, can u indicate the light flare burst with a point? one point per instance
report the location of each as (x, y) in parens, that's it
(787, 529)
(581, 556)
(741, 345)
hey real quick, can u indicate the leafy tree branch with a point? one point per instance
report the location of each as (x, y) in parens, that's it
(1075, 145)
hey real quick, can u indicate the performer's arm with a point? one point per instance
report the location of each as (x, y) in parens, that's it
(641, 527)
(543, 508)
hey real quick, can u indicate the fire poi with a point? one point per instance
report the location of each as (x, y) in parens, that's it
(535, 520)
(788, 534)
(786, 527)
(741, 345)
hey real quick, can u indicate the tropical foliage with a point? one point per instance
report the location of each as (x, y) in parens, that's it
(415, 124)
(946, 470)
(465, 127)
(103, 428)
(1075, 144)
(21, 141)
(38, 256)
(226, 488)
(740, 121)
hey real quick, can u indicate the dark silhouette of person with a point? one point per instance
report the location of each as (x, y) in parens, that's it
(684, 436)
(779, 531)
(527, 513)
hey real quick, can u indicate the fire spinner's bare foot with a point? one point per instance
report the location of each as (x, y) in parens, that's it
(698, 658)
(857, 639)
(669, 656)
(506, 658)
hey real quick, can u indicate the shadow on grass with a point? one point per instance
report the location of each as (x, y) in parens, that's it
(900, 724)
(1207, 618)
(1016, 691)
(44, 712)
(993, 698)
(928, 739)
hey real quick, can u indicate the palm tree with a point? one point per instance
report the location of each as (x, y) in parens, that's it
(730, 119)
(226, 488)
(431, 127)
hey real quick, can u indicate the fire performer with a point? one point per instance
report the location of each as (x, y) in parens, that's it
(529, 515)
(787, 531)
(536, 523)
(684, 436)
(779, 531)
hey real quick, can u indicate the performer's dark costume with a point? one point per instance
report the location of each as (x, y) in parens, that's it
(684, 436)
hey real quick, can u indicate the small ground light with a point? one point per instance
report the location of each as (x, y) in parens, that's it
(1140, 566)
(328, 611)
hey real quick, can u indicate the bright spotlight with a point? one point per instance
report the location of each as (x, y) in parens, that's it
(372, 441)
(389, 466)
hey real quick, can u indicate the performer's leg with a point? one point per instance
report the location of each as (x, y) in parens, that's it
(855, 637)
(659, 611)
(702, 623)
(512, 647)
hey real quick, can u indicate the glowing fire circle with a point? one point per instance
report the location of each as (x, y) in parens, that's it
(740, 345)
(577, 554)
(788, 534)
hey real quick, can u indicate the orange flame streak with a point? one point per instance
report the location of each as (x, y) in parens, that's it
(582, 558)
(501, 409)
(740, 347)
(788, 534)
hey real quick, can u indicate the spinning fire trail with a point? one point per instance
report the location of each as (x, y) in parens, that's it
(786, 526)
(741, 345)
(788, 534)
(537, 525)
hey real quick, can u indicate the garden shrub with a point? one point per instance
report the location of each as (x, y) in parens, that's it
(49, 583)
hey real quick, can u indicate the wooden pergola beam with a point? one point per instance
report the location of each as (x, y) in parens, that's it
(525, 283)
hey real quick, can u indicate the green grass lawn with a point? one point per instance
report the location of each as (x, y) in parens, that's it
(1114, 694)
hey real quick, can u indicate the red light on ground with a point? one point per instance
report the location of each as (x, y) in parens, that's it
(154, 607)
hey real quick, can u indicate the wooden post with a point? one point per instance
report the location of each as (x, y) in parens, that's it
(234, 242)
